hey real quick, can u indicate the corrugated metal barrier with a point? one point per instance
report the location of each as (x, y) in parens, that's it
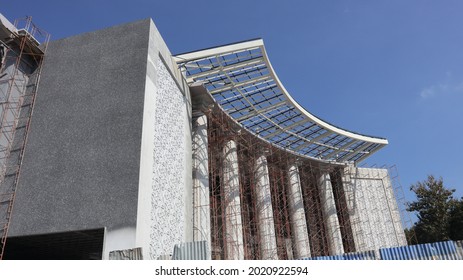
(459, 245)
(190, 251)
(367, 255)
(325, 258)
(446, 250)
(128, 254)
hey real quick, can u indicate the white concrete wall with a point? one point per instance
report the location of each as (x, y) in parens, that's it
(118, 239)
(10, 102)
(374, 214)
(165, 206)
(396, 233)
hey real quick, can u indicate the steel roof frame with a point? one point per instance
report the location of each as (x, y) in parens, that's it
(242, 73)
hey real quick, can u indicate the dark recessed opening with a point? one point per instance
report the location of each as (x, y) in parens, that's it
(71, 245)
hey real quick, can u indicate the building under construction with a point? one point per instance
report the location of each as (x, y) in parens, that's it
(132, 151)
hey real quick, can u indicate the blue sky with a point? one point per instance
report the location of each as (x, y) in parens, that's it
(384, 68)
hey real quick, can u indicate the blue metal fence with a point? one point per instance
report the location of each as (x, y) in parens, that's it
(367, 255)
(445, 250)
(324, 258)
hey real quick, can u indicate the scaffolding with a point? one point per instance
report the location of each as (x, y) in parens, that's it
(377, 207)
(308, 160)
(221, 130)
(362, 201)
(402, 204)
(23, 50)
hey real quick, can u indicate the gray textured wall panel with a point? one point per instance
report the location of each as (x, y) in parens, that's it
(81, 165)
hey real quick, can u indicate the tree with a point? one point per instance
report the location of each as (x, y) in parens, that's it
(410, 235)
(434, 206)
(456, 221)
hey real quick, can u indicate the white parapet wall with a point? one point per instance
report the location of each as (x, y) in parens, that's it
(373, 210)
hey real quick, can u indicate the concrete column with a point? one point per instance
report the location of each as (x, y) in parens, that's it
(232, 203)
(351, 187)
(201, 207)
(330, 215)
(266, 225)
(300, 236)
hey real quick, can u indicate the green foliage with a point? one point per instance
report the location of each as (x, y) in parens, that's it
(435, 206)
(456, 221)
(410, 236)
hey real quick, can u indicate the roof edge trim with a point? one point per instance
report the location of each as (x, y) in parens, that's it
(314, 118)
(255, 43)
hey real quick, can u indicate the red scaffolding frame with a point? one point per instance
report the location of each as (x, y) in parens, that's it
(19, 78)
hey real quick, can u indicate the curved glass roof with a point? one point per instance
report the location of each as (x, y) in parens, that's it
(241, 80)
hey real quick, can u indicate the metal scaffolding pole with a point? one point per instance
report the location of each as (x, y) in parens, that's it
(20, 70)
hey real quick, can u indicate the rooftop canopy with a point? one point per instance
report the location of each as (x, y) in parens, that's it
(241, 80)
